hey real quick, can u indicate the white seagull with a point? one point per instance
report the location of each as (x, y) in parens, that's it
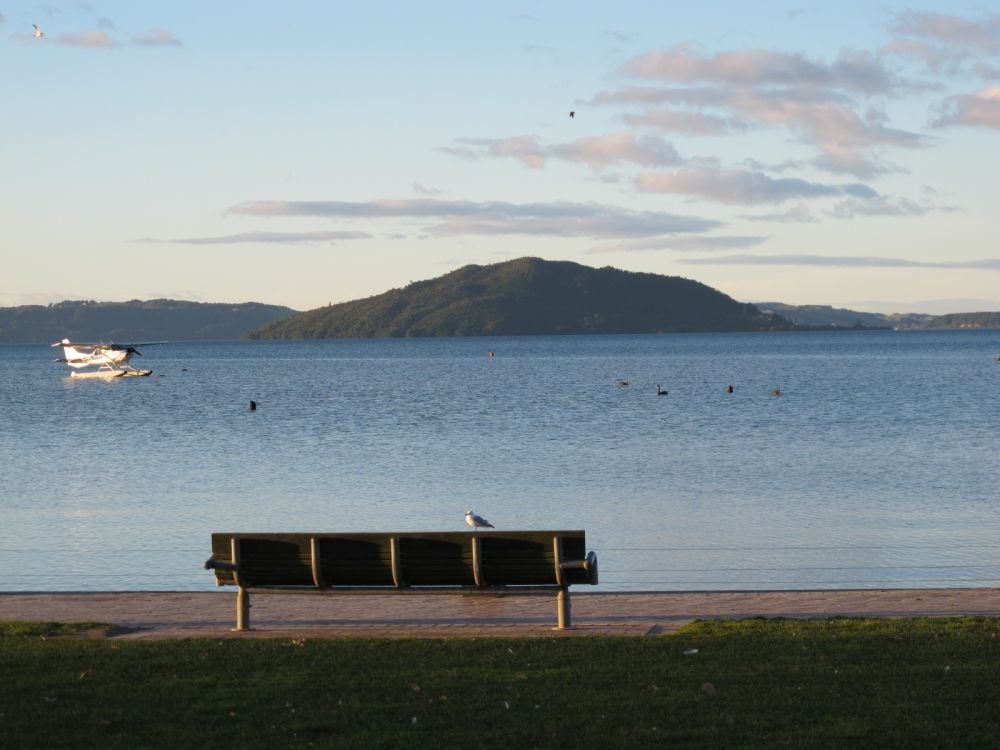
(38, 31)
(477, 522)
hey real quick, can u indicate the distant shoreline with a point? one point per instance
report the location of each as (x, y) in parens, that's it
(796, 329)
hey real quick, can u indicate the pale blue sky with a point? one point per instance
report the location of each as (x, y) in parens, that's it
(312, 152)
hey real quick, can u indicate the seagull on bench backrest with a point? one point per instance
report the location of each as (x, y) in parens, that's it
(477, 522)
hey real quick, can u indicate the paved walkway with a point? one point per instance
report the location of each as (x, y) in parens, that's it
(212, 614)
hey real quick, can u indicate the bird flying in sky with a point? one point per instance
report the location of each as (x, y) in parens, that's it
(38, 31)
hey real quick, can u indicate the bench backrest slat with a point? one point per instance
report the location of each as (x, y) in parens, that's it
(423, 558)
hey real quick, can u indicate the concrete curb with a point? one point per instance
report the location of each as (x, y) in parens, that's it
(171, 614)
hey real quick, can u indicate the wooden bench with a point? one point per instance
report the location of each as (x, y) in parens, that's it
(407, 562)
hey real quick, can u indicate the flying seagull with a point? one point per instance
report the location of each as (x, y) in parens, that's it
(477, 522)
(571, 114)
(38, 31)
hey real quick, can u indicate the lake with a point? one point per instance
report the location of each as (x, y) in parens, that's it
(876, 467)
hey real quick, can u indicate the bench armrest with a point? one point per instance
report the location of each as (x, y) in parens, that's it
(211, 563)
(589, 565)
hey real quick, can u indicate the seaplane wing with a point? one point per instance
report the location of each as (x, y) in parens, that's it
(111, 359)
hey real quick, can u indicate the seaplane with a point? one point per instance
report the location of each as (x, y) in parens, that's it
(111, 360)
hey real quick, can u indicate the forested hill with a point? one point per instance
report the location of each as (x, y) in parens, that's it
(153, 320)
(530, 296)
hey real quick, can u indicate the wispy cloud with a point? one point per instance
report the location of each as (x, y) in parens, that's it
(733, 186)
(90, 39)
(619, 37)
(878, 206)
(799, 214)
(685, 121)
(846, 261)
(938, 59)
(714, 96)
(854, 71)
(157, 38)
(105, 36)
(682, 244)
(454, 218)
(987, 70)
(981, 34)
(425, 190)
(597, 152)
(981, 109)
(269, 238)
(540, 52)
(945, 43)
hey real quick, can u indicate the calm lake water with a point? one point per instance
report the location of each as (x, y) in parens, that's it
(876, 468)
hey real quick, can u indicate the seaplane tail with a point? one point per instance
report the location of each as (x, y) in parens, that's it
(73, 356)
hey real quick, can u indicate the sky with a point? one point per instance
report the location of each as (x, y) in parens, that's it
(309, 153)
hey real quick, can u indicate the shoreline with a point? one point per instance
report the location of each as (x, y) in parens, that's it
(178, 614)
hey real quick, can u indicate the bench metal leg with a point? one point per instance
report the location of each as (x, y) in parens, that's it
(242, 609)
(563, 609)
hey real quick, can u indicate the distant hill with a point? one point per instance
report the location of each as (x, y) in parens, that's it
(530, 296)
(153, 320)
(955, 320)
(824, 315)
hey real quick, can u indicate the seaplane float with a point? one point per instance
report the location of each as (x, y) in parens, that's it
(111, 360)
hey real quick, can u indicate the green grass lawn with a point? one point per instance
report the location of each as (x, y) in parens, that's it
(848, 683)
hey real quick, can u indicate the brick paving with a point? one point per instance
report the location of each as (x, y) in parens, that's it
(148, 615)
